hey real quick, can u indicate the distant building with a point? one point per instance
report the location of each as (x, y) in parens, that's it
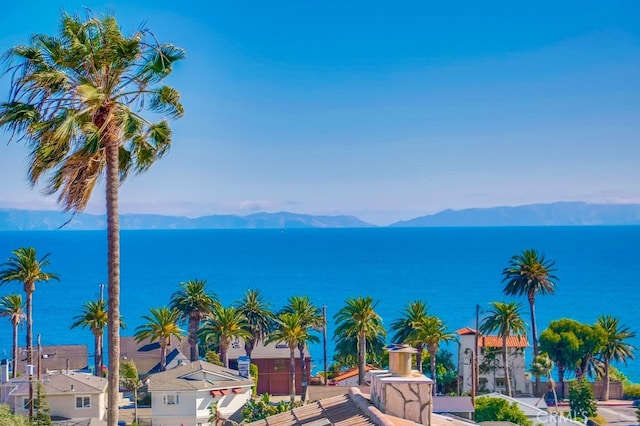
(350, 377)
(273, 366)
(71, 395)
(146, 354)
(55, 358)
(183, 395)
(491, 376)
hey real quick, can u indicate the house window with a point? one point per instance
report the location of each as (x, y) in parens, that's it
(25, 403)
(278, 365)
(83, 402)
(500, 383)
(171, 399)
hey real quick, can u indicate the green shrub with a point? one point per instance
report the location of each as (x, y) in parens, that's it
(582, 400)
(497, 409)
(632, 391)
(253, 372)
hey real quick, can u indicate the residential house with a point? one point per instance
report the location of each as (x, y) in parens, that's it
(460, 406)
(350, 377)
(273, 363)
(70, 395)
(491, 376)
(398, 396)
(183, 395)
(55, 358)
(146, 354)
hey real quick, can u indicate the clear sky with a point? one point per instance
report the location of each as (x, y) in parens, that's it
(383, 110)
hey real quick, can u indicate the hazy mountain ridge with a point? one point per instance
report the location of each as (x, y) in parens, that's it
(41, 220)
(561, 213)
(554, 214)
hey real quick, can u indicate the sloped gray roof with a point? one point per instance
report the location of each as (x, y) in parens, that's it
(198, 375)
(146, 354)
(62, 383)
(453, 404)
(260, 351)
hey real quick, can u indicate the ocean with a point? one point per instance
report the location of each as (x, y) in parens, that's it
(452, 269)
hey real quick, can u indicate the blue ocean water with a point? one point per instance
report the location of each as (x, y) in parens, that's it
(452, 269)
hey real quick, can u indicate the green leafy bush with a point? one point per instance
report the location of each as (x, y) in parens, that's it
(632, 392)
(498, 409)
(581, 399)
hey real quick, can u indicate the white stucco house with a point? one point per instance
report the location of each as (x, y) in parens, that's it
(70, 395)
(182, 396)
(491, 376)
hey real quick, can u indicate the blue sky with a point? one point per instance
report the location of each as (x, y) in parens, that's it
(380, 110)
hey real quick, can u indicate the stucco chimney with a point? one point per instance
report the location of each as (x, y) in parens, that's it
(401, 391)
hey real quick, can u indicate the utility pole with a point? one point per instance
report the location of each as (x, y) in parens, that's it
(101, 292)
(473, 378)
(324, 342)
(476, 370)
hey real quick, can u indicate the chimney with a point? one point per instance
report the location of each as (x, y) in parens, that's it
(401, 391)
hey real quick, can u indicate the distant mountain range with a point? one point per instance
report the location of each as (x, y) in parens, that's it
(554, 214)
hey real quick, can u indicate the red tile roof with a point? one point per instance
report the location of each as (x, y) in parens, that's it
(351, 373)
(496, 342)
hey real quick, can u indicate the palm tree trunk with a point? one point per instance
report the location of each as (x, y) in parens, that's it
(113, 268)
(534, 337)
(249, 344)
(362, 358)
(419, 348)
(14, 354)
(163, 355)
(432, 358)
(605, 397)
(135, 405)
(292, 373)
(303, 369)
(29, 293)
(507, 380)
(97, 354)
(224, 345)
(193, 339)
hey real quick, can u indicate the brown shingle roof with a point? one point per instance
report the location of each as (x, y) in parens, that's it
(56, 357)
(61, 383)
(260, 351)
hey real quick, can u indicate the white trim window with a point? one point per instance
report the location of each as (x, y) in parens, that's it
(83, 402)
(171, 399)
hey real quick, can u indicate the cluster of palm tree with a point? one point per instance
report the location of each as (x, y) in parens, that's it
(249, 319)
(24, 267)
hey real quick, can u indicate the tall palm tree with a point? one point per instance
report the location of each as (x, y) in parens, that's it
(94, 317)
(161, 325)
(11, 306)
(224, 325)
(77, 99)
(529, 273)
(504, 318)
(194, 304)
(358, 318)
(25, 267)
(260, 318)
(290, 330)
(432, 331)
(405, 328)
(615, 347)
(311, 318)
